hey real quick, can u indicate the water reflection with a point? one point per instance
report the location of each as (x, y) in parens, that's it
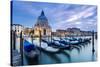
(81, 52)
(77, 48)
(67, 55)
(31, 61)
(93, 56)
(52, 56)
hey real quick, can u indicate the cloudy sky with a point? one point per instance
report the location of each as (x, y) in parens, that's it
(60, 16)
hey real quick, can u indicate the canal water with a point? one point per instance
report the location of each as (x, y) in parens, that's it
(80, 54)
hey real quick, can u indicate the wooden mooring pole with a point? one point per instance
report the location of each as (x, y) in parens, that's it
(51, 36)
(93, 50)
(13, 44)
(21, 48)
(40, 38)
(32, 38)
(40, 44)
(60, 38)
(11, 48)
(14, 40)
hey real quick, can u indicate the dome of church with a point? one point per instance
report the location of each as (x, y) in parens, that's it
(42, 24)
(42, 20)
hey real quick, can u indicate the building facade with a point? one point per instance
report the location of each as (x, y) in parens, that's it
(72, 32)
(60, 32)
(17, 28)
(27, 31)
(42, 26)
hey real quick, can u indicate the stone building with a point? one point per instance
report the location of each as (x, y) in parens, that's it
(27, 31)
(17, 28)
(42, 26)
(60, 32)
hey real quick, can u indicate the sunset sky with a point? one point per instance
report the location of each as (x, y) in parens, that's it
(60, 16)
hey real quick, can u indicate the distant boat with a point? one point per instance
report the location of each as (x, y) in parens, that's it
(56, 44)
(71, 39)
(75, 41)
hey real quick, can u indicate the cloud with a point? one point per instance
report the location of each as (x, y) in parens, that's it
(80, 18)
(61, 15)
(82, 14)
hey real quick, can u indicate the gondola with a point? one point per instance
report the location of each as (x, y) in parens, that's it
(78, 41)
(30, 50)
(56, 44)
(44, 47)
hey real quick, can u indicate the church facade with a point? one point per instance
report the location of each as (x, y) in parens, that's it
(42, 26)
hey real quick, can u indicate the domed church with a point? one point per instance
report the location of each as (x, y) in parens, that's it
(42, 26)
